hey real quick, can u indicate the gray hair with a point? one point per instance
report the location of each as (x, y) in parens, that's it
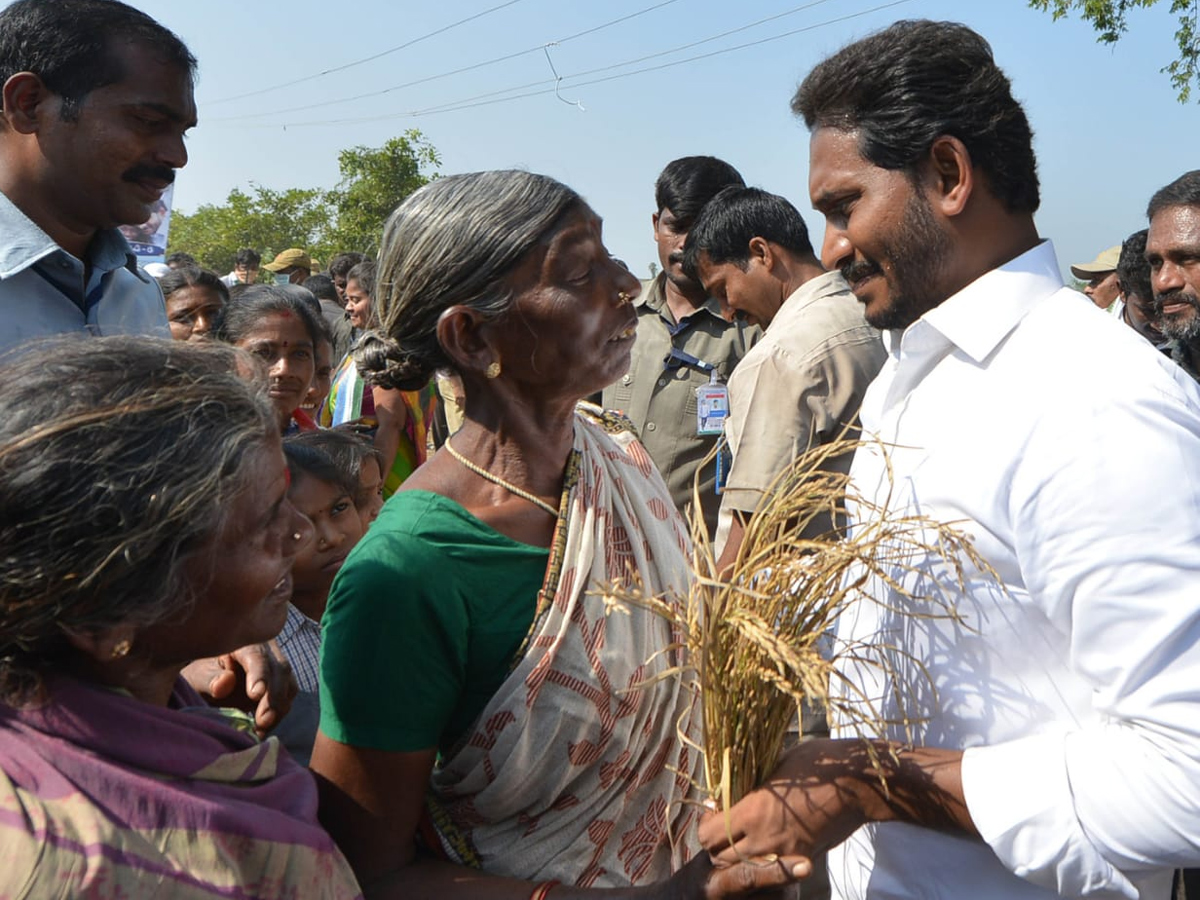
(119, 459)
(451, 243)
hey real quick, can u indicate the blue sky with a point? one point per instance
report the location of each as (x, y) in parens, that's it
(1109, 130)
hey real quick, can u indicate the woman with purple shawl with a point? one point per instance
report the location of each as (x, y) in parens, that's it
(175, 542)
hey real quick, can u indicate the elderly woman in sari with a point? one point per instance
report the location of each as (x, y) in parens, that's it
(174, 541)
(487, 731)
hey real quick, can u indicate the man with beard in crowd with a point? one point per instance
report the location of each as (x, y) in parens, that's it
(1173, 251)
(682, 341)
(1032, 723)
(97, 98)
(1137, 296)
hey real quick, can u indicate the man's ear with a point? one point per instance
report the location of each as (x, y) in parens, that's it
(461, 332)
(26, 102)
(762, 252)
(951, 175)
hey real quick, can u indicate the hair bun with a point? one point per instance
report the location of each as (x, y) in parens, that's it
(382, 362)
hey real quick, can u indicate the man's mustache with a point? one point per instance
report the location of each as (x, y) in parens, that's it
(1176, 296)
(143, 173)
(857, 271)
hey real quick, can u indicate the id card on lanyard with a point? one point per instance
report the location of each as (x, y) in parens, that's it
(712, 406)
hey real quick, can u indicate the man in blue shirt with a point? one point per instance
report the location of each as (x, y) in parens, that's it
(97, 98)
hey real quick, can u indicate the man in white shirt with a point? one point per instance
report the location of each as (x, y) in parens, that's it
(802, 384)
(1054, 715)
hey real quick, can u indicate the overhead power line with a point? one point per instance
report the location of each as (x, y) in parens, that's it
(480, 65)
(490, 98)
(365, 59)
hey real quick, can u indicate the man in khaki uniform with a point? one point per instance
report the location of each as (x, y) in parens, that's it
(803, 383)
(682, 339)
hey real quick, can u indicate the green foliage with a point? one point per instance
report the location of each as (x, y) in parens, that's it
(373, 184)
(1109, 18)
(349, 217)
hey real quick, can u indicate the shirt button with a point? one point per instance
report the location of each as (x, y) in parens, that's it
(627, 379)
(662, 382)
(650, 426)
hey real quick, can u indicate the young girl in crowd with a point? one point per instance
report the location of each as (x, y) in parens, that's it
(398, 421)
(195, 298)
(355, 455)
(324, 492)
(283, 332)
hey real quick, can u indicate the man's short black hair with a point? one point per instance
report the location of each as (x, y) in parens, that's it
(69, 45)
(1133, 272)
(340, 265)
(736, 215)
(1183, 191)
(322, 287)
(686, 184)
(180, 259)
(904, 87)
(247, 258)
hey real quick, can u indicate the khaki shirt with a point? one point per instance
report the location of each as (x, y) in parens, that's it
(660, 398)
(799, 387)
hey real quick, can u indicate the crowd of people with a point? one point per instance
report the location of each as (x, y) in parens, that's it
(318, 616)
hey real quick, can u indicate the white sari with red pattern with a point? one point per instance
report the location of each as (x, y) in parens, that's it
(577, 769)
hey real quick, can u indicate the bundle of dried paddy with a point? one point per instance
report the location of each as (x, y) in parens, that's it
(755, 634)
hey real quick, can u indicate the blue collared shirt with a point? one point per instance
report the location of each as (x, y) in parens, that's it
(43, 291)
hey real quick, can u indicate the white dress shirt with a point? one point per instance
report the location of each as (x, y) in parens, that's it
(1068, 448)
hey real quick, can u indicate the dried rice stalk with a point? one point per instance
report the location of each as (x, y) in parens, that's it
(755, 637)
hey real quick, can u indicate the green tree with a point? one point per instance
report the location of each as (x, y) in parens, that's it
(1109, 18)
(267, 220)
(349, 217)
(374, 181)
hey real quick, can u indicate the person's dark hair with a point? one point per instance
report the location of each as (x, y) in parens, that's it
(347, 449)
(307, 459)
(258, 301)
(1183, 191)
(69, 45)
(340, 265)
(176, 260)
(452, 242)
(686, 184)
(193, 276)
(236, 291)
(733, 217)
(902, 88)
(155, 435)
(364, 273)
(250, 259)
(1133, 272)
(322, 288)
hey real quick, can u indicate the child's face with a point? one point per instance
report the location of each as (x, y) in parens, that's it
(370, 491)
(337, 527)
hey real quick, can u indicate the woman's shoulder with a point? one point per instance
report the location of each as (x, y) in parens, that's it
(609, 421)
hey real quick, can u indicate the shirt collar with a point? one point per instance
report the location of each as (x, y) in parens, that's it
(296, 621)
(25, 244)
(982, 314)
(815, 289)
(654, 296)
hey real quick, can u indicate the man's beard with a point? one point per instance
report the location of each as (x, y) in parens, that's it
(1185, 328)
(917, 249)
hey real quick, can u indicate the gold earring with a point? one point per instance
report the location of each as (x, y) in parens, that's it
(493, 369)
(121, 649)
(623, 298)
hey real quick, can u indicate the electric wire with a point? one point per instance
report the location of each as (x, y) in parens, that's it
(366, 59)
(490, 98)
(479, 65)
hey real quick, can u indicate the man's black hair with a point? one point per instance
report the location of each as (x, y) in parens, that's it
(1183, 191)
(340, 265)
(322, 286)
(247, 258)
(1133, 272)
(902, 88)
(69, 45)
(736, 215)
(686, 184)
(180, 259)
